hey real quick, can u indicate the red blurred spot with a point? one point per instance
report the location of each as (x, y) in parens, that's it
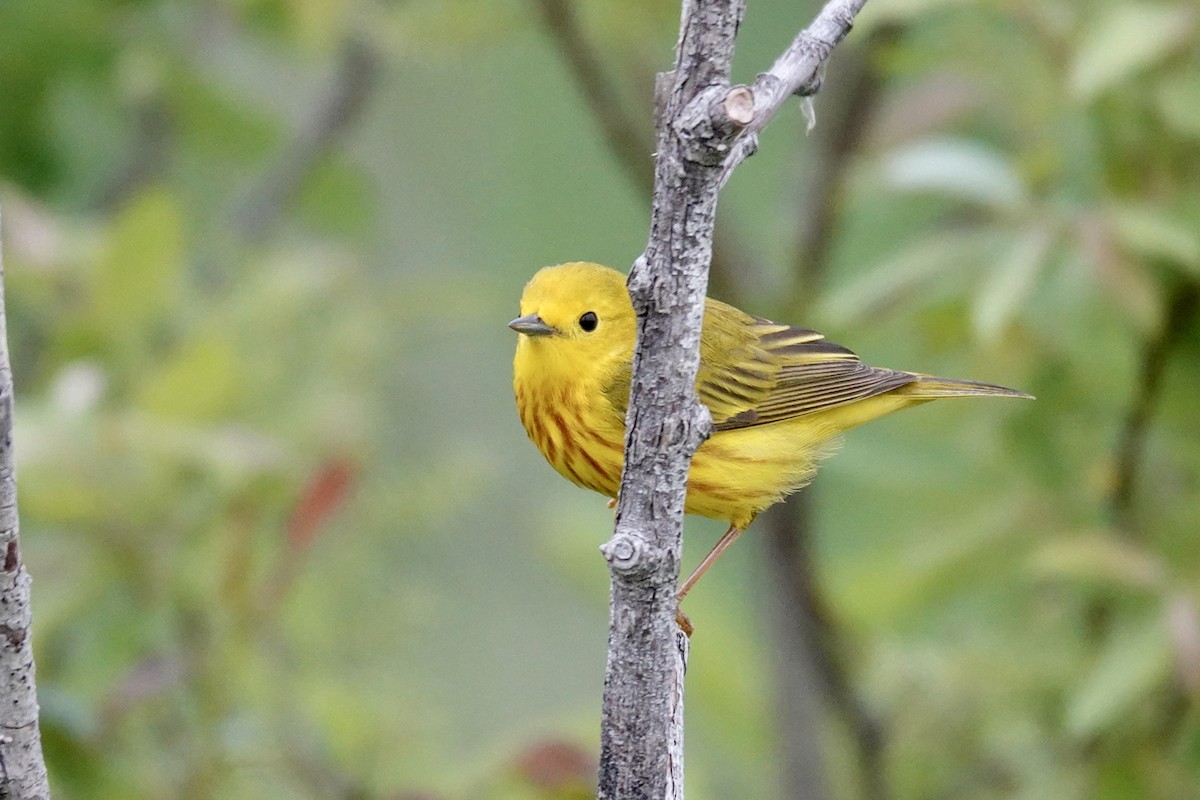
(555, 766)
(324, 494)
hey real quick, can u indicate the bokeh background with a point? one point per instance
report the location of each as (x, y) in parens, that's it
(289, 539)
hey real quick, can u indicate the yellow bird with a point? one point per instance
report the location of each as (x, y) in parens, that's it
(778, 395)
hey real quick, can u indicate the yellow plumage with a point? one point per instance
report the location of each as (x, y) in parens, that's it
(777, 394)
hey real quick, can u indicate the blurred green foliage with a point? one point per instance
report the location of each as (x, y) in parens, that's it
(288, 538)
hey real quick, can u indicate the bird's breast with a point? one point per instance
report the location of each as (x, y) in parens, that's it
(579, 433)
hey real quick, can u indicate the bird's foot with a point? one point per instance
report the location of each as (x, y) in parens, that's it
(685, 624)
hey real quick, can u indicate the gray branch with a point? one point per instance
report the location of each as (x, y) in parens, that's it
(339, 108)
(625, 134)
(796, 72)
(22, 768)
(700, 118)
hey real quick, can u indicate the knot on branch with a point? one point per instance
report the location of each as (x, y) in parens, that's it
(712, 120)
(639, 281)
(14, 635)
(631, 556)
(811, 86)
(695, 426)
(810, 48)
(663, 83)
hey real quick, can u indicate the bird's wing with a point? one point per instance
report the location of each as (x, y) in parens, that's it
(754, 371)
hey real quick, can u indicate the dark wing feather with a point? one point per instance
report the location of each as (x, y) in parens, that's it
(755, 372)
(766, 372)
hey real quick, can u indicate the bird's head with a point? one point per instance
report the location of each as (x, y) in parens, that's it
(575, 317)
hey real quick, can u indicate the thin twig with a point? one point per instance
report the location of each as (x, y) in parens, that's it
(343, 104)
(796, 72)
(631, 143)
(1182, 306)
(848, 104)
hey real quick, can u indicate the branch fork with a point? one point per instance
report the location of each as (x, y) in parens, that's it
(706, 127)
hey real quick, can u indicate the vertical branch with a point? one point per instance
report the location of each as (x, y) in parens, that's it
(1181, 308)
(625, 137)
(341, 106)
(801, 687)
(22, 768)
(810, 648)
(699, 122)
(641, 742)
(1182, 305)
(808, 636)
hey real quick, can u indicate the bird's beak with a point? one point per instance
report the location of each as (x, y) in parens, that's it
(531, 325)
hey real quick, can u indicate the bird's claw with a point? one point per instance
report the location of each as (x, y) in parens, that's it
(685, 624)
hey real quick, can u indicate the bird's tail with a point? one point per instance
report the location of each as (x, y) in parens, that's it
(927, 387)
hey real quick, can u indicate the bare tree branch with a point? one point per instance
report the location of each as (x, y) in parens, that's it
(629, 141)
(801, 688)
(806, 635)
(699, 120)
(786, 530)
(811, 642)
(1182, 307)
(343, 103)
(796, 72)
(153, 129)
(22, 768)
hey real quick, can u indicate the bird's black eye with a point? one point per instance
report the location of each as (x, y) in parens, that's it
(589, 321)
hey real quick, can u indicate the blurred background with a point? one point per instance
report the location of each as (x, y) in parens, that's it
(289, 539)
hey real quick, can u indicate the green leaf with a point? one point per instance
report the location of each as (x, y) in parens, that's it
(1178, 98)
(1136, 660)
(137, 282)
(1101, 558)
(961, 168)
(910, 271)
(198, 382)
(1008, 285)
(1125, 39)
(1152, 232)
(337, 198)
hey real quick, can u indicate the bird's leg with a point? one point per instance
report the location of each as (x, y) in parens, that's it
(722, 544)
